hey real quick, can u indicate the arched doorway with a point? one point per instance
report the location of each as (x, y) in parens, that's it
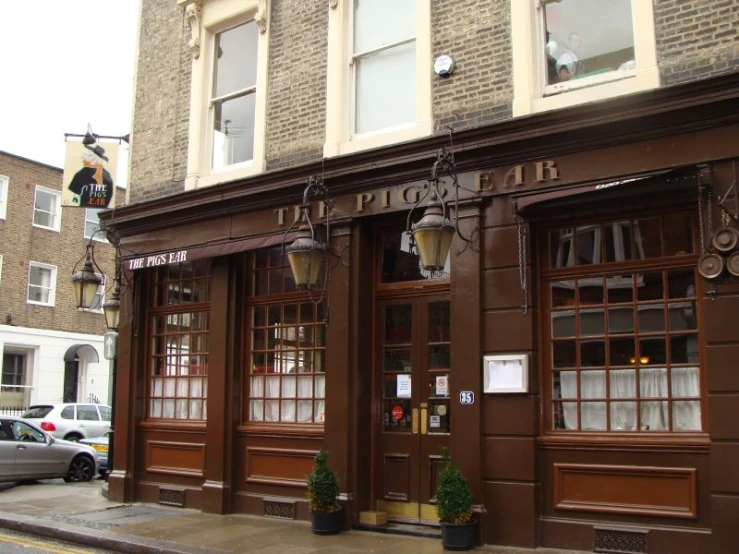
(74, 369)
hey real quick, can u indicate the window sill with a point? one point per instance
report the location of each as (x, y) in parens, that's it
(227, 174)
(378, 139)
(688, 442)
(45, 228)
(588, 91)
(183, 425)
(39, 304)
(282, 429)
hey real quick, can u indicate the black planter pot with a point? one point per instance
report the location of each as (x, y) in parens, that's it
(327, 523)
(458, 536)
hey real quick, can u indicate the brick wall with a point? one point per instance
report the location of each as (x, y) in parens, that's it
(696, 39)
(158, 157)
(20, 243)
(296, 106)
(476, 34)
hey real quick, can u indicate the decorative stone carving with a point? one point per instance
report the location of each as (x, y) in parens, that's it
(333, 3)
(193, 12)
(261, 17)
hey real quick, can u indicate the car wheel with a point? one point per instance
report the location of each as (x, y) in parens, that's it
(81, 469)
(74, 437)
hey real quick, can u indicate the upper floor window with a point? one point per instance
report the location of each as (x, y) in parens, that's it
(234, 94)
(41, 284)
(3, 196)
(379, 83)
(577, 45)
(47, 209)
(92, 225)
(228, 104)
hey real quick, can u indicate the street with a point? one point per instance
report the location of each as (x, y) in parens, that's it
(17, 543)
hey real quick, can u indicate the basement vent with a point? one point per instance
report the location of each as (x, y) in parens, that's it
(279, 508)
(620, 541)
(172, 497)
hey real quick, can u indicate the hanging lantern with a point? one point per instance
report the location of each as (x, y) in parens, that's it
(433, 233)
(112, 307)
(86, 282)
(305, 255)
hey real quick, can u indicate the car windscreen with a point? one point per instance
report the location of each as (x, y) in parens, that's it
(37, 412)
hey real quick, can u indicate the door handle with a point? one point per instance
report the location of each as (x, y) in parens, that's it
(20, 447)
(414, 421)
(424, 421)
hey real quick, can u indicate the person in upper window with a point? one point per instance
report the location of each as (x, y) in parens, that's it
(568, 63)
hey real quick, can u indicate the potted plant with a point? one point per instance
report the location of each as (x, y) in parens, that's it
(454, 505)
(327, 515)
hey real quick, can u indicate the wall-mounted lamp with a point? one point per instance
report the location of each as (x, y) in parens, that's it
(112, 306)
(307, 252)
(86, 280)
(432, 234)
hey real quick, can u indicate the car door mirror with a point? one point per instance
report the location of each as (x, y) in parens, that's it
(50, 440)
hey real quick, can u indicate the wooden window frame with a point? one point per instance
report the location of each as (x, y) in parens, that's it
(656, 264)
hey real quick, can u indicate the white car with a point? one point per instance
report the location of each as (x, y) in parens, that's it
(27, 452)
(70, 421)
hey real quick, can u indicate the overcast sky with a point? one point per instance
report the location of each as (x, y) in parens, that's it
(64, 64)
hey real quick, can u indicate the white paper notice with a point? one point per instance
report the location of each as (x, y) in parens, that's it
(442, 385)
(505, 374)
(404, 386)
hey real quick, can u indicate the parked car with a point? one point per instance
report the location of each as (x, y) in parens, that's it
(27, 452)
(70, 421)
(100, 445)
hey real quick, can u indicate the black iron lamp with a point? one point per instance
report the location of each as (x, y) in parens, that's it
(307, 252)
(86, 280)
(432, 234)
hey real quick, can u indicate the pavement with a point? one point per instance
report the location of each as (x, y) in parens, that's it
(78, 513)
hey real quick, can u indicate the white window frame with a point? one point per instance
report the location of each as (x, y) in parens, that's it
(1, 267)
(100, 237)
(4, 182)
(529, 68)
(58, 214)
(340, 85)
(217, 16)
(52, 289)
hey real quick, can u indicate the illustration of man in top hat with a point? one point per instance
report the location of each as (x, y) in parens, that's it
(92, 185)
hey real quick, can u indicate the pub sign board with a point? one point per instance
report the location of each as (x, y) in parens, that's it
(88, 180)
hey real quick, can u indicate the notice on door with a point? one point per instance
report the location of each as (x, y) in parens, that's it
(442, 385)
(404, 386)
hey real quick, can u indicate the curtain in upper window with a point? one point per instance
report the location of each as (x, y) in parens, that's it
(384, 61)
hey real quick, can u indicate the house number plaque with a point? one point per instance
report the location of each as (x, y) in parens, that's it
(467, 397)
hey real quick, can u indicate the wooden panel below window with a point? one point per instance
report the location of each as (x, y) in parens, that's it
(278, 466)
(175, 458)
(397, 477)
(657, 491)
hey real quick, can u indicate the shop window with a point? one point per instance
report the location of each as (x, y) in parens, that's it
(229, 77)
(379, 86)
(623, 350)
(179, 336)
(15, 387)
(287, 380)
(3, 196)
(47, 209)
(41, 284)
(584, 50)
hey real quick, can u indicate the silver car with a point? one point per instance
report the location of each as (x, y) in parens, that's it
(70, 421)
(27, 452)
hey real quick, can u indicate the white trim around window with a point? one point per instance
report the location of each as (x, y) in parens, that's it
(532, 95)
(340, 92)
(4, 181)
(41, 284)
(47, 209)
(217, 17)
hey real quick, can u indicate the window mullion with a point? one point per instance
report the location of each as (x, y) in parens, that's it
(380, 48)
(234, 94)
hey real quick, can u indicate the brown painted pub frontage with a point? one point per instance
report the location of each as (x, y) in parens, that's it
(580, 369)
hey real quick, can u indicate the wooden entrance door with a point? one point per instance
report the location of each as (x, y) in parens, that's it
(412, 371)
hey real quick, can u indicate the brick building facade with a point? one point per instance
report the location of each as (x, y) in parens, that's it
(593, 145)
(38, 336)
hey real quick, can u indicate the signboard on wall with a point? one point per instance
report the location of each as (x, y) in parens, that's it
(89, 171)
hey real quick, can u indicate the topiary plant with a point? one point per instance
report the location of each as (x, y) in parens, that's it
(323, 485)
(453, 494)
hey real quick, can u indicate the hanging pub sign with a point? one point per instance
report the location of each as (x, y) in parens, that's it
(88, 174)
